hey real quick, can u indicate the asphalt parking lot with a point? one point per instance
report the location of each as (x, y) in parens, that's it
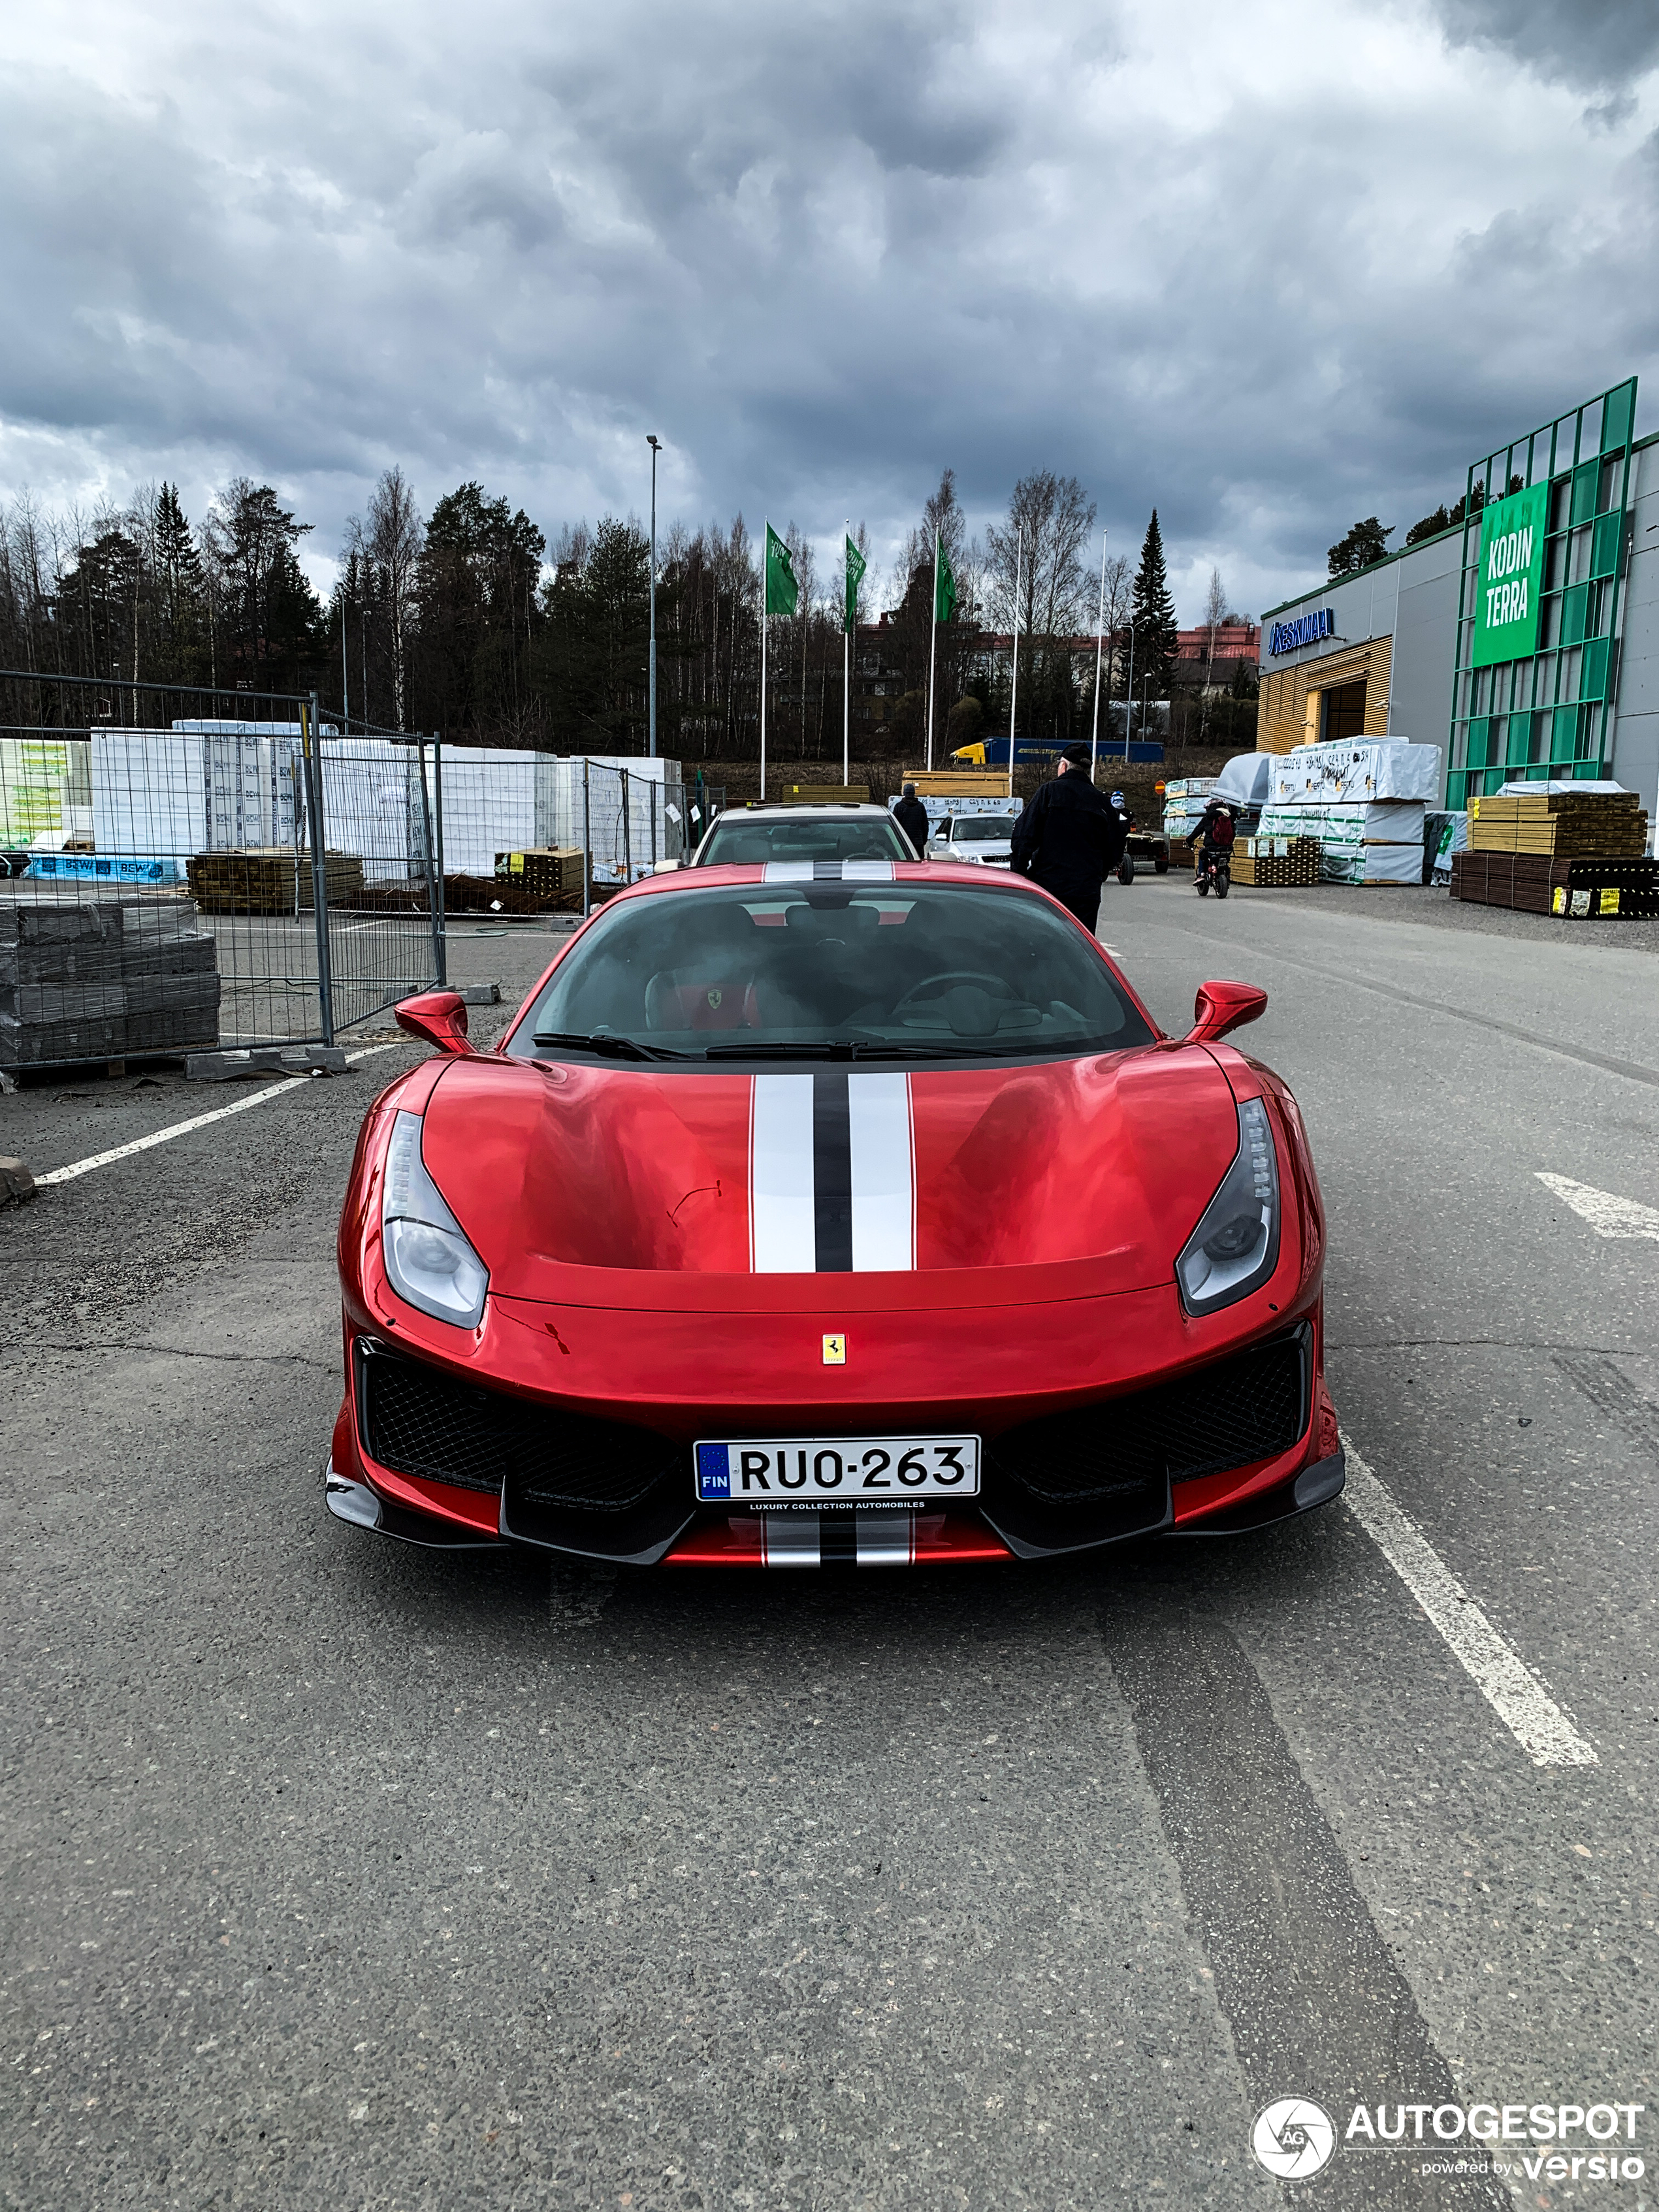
(339, 1874)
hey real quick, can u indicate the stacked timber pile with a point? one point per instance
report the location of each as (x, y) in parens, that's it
(1278, 863)
(1578, 890)
(99, 978)
(269, 879)
(551, 876)
(827, 794)
(1569, 849)
(1565, 824)
(957, 782)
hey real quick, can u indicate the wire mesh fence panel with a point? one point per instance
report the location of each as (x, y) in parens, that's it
(380, 892)
(182, 869)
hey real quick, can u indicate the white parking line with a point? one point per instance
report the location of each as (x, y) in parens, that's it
(1509, 1687)
(196, 1122)
(1607, 1214)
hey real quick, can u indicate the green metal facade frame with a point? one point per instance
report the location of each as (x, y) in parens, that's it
(1552, 713)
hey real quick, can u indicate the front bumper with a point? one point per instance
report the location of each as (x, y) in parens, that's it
(1184, 1458)
(820, 1539)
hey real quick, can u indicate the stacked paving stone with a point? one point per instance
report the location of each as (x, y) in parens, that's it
(99, 978)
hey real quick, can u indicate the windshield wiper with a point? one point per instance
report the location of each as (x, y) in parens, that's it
(923, 1049)
(607, 1041)
(795, 1049)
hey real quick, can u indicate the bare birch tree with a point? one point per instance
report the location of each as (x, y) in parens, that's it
(393, 540)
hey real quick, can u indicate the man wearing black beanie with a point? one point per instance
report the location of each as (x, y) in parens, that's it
(1066, 837)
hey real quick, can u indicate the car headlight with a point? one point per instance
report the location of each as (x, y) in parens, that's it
(1235, 1247)
(428, 1260)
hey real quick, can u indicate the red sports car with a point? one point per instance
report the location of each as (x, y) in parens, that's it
(838, 1211)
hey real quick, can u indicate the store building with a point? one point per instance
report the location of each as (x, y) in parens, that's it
(1523, 640)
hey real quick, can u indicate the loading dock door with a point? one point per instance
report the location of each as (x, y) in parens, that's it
(1344, 714)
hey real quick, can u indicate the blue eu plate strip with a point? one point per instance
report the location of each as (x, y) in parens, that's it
(714, 1472)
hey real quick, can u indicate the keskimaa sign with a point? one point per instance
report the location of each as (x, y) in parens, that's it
(1509, 588)
(1306, 629)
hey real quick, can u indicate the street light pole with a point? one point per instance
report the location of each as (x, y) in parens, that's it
(652, 441)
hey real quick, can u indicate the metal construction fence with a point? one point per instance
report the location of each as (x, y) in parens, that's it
(182, 869)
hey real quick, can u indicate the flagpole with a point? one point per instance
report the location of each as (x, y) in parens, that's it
(1013, 688)
(847, 628)
(932, 647)
(1100, 636)
(766, 554)
(1129, 689)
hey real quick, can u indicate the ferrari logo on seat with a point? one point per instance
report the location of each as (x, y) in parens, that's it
(713, 998)
(835, 1351)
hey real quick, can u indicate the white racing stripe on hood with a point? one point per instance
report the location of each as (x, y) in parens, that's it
(883, 1172)
(783, 1228)
(827, 871)
(826, 1150)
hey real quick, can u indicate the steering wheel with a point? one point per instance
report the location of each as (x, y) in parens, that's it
(992, 983)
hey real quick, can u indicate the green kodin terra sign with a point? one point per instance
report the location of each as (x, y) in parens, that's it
(1510, 584)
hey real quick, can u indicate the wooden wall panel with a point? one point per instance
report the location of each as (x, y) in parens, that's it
(1287, 707)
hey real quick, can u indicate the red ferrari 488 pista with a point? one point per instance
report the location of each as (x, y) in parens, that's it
(847, 1211)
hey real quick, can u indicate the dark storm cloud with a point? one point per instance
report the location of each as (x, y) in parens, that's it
(824, 254)
(1586, 43)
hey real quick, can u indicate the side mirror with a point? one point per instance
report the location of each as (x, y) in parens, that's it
(437, 1018)
(664, 867)
(1219, 1007)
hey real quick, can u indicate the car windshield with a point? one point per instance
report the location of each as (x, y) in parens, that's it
(896, 971)
(980, 830)
(744, 839)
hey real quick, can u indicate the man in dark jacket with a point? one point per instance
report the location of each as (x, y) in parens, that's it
(912, 818)
(1065, 838)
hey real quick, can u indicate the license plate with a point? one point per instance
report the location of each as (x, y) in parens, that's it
(836, 1470)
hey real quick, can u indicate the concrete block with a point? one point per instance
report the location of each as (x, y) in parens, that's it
(16, 1183)
(481, 994)
(265, 1059)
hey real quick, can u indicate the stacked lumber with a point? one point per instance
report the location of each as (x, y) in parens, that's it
(551, 874)
(1562, 824)
(1601, 889)
(269, 879)
(827, 794)
(957, 782)
(99, 978)
(1278, 863)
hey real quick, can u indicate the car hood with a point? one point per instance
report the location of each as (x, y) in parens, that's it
(1107, 1161)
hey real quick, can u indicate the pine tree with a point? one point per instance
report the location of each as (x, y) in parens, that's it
(1152, 611)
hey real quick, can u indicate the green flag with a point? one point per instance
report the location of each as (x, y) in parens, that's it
(855, 568)
(945, 586)
(783, 591)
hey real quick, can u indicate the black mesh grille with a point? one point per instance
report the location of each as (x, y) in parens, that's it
(1240, 1410)
(420, 1421)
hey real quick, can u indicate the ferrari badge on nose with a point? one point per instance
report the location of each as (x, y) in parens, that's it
(835, 1351)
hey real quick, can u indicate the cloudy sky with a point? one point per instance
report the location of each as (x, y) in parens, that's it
(1270, 264)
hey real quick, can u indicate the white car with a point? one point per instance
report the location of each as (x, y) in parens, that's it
(985, 838)
(764, 832)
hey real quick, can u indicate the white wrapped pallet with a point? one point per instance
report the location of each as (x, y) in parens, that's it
(488, 806)
(148, 795)
(1355, 769)
(1372, 864)
(1386, 822)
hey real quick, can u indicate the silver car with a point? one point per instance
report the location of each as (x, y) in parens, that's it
(986, 838)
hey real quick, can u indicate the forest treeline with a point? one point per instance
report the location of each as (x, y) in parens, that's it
(465, 620)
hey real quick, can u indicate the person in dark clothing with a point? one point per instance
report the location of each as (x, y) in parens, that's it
(1122, 822)
(1065, 838)
(912, 818)
(1215, 836)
